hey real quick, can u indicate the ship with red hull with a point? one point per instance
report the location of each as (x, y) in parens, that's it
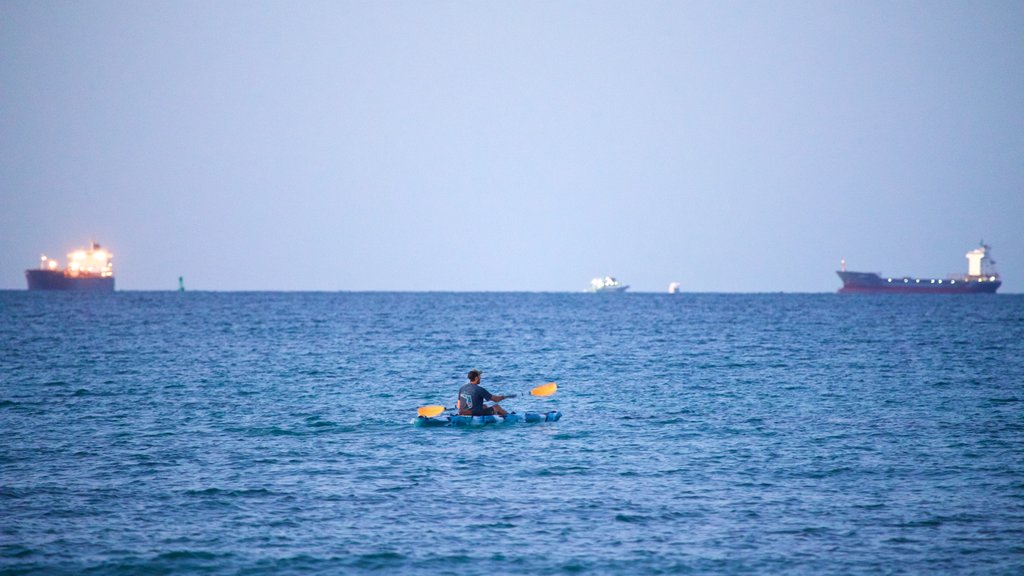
(89, 270)
(981, 278)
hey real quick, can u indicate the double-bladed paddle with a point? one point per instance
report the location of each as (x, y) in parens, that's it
(542, 390)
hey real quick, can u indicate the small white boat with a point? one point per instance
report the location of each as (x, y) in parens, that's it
(607, 284)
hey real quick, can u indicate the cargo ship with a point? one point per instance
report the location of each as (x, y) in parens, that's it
(981, 278)
(88, 270)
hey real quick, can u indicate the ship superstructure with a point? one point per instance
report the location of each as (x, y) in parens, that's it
(981, 278)
(88, 269)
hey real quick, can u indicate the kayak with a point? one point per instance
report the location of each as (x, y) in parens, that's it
(513, 418)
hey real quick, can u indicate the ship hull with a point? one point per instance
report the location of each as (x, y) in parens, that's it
(868, 282)
(610, 290)
(56, 280)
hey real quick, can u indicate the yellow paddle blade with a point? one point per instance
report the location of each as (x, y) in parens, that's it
(430, 411)
(544, 389)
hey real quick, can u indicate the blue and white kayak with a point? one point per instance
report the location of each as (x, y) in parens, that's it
(513, 418)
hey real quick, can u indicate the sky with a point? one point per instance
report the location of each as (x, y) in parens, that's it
(512, 146)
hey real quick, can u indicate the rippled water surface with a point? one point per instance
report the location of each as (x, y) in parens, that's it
(249, 433)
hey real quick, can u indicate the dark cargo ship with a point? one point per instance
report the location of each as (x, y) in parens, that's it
(981, 278)
(88, 270)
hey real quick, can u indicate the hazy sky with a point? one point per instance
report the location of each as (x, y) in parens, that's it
(733, 147)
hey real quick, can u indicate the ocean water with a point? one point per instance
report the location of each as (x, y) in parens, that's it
(269, 433)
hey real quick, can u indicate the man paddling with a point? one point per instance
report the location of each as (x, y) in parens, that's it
(472, 397)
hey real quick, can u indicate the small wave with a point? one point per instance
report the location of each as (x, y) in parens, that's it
(804, 531)
(389, 489)
(632, 518)
(928, 523)
(16, 552)
(302, 563)
(7, 403)
(16, 492)
(902, 540)
(671, 421)
(570, 435)
(573, 567)
(251, 493)
(1003, 400)
(316, 422)
(269, 431)
(379, 560)
(448, 561)
(189, 555)
(563, 471)
(819, 474)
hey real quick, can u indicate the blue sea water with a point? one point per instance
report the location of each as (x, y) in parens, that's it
(269, 433)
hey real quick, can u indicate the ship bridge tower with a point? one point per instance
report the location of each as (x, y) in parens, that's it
(979, 263)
